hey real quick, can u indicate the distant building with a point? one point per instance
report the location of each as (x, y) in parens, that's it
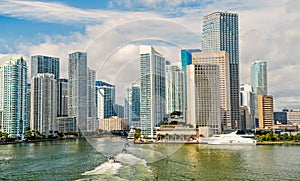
(281, 117)
(152, 77)
(247, 99)
(105, 100)
(113, 123)
(220, 58)
(203, 103)
(66, 124)
(245, 118)
(132, 104)
(265, 111)
(259, 81)
(174, 89)
(77, 89)
(91, 100)
(220, 32)
(119, 109)
(293, 116)
(63, 97)
(13, 97)
(43, 103)
(44, 64)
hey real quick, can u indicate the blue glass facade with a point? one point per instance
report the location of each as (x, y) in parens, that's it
(105, 99)
(221, 32)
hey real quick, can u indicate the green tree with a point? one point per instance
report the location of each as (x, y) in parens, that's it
(137, 134)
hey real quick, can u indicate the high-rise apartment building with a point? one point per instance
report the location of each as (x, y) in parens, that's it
(152, 77)
(203, 97)
(13, 99)
(77, 89)
(105, 100)
(247, 100)
(221, 32)
(43, 103)
(259, 81)
(44, 64)
(91, 100)
(265, 111)
(220, 58)
(132, 105)
(174, 89)
(63, 97)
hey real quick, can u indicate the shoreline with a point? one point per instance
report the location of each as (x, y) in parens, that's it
(36, 141)
(278, 143)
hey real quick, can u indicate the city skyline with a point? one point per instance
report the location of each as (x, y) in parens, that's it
(265, 33)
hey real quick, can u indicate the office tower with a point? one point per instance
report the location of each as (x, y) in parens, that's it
(220, 58)
(28, 102)
(259, 81)
(186, 59)
(132, 105)
(281, 117)
(62, 97)
(77, 89)
(174, 89)
(152, 77)
(247, 99)
(293, 116)
(119, 110)
(203, 103)
(13, 100)
(91, 104)
(265, 111)
(44, 64)
(221, 32)
(105, 100)
(245, 117)
(43, 103)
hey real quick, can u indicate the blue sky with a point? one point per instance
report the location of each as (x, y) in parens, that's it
(109, 31)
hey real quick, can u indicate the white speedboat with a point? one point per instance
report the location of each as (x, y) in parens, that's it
(229, 139)
(131, 133)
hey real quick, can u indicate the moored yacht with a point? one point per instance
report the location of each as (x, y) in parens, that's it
(229, 139)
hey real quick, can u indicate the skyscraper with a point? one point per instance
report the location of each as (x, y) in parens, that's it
(91, 104)
(247, 100)
(265, 111)
(63, 97)
(13, 100)
(203, 97)
(152, 110)
(221, 32)
(105, 100)
(132, 105)
(174, 89)
(43, 103)
(77, 89)
(44, 64)
(259, 81)
(220, 58)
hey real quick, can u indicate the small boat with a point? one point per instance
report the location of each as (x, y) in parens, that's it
(131, 133)
(229, 139)
(111, 159)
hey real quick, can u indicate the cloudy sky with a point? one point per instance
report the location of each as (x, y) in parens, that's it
(111, 30)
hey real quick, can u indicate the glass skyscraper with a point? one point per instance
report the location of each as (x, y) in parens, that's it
(44, 64)
(77, 89)
(13, 99)
(105, 99)
(259, 81)
(221, 32)
(132, 105)
(152, 77)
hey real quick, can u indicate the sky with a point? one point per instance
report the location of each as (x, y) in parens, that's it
(111, 30)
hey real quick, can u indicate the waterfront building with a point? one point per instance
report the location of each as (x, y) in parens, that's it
(44, 64)
(174, 89)
(13, 97)
(28, 102)
(63, 97)
(105, 100)
(259, 81)
(265, 111)
(66, 124)
(113, 123)
(221, 32)
(91, 100)
(247, 99)
(43, 103)
(220, 58)
(293, 116)
(203, 103)
(281, 117)
(132, 104)
(245, 118)
(152, 77)
(77, 89)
